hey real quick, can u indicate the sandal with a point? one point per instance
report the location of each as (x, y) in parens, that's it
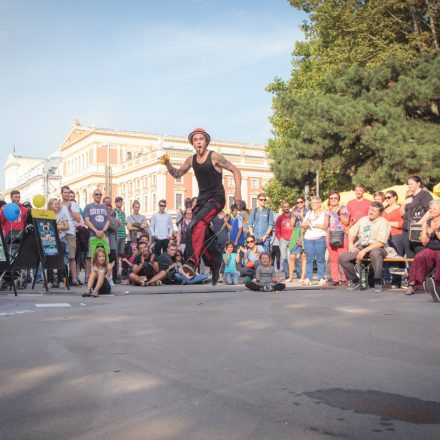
(410, 290)
(94, 294)
(88, 293)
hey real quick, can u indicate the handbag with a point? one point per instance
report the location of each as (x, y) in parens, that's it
(336, 239)
(415, 233)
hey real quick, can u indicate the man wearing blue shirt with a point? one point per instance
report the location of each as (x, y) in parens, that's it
(261, 222)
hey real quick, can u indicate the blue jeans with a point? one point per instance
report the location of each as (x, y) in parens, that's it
(284, 251)
(265, 244)
(231, 277)
(315, 249)
(195, 280)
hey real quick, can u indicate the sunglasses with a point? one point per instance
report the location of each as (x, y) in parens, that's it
(262, 200)
(97, 194)
(162, 206)
(299, 202)
(250, 241)
(334, 198)
(179, 255)
(389, 197)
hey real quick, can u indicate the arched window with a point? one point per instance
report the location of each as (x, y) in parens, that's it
(129, 155)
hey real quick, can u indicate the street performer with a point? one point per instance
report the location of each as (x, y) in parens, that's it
(208, 166)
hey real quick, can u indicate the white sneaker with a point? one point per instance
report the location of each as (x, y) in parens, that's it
(322, 282)
(306, 282)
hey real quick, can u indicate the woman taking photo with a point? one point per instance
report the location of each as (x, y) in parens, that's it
(315, 225)
(428, 259)
(339, 219)
(415, 207)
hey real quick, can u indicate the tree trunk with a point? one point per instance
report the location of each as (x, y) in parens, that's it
(431, 12)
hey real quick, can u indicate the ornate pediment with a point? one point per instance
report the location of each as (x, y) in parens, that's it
(75, 135)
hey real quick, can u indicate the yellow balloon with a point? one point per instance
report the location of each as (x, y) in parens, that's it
(39, 200)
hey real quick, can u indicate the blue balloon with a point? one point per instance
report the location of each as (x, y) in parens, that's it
(11, 212)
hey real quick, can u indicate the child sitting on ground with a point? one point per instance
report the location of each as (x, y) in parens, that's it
(98, 280)
(230, 260)
(265, 280)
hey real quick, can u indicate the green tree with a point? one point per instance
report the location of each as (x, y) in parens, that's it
(340, 108)
(372, 125)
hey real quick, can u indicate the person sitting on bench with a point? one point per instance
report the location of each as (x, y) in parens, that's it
(371, 232)
(429, 258)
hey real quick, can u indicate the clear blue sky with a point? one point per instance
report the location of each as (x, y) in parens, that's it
(159, 66)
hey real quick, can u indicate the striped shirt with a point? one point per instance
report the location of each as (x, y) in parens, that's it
(121, 233)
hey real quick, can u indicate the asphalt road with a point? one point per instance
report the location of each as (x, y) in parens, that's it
(219, 364)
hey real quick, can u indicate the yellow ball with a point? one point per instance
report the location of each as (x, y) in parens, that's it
(39, 200)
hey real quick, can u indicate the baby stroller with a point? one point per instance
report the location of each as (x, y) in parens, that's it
(12, 242)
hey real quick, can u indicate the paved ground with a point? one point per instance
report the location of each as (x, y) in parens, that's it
(226, 364)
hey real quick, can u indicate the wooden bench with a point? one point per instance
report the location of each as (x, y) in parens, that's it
(363, 268)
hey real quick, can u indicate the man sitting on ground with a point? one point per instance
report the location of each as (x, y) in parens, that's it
(144, 266)
(167, 269)
(372, 232)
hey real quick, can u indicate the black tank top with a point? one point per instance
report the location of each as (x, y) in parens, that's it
(209, 180)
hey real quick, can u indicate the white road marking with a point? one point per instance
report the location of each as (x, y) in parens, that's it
(53, 305)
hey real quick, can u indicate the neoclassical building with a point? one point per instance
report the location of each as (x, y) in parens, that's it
(125, 163)
(30, 176)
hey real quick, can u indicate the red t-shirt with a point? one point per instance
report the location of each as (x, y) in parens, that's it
(394, 216)
(358, 209)
(283, 227)
(16, 225)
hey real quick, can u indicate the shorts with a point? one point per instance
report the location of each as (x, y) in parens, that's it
(296, 250)
(120, 246)
(71, 245)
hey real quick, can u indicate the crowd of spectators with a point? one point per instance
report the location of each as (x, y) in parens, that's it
(111, 246)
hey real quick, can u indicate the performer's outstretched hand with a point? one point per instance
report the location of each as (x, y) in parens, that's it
(164, 159)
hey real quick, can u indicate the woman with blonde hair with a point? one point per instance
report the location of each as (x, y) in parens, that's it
(315, 225)
(62, 226)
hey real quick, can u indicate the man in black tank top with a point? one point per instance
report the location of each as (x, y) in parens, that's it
(208, 167)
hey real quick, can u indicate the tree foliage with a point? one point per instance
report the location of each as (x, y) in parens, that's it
(362, 101)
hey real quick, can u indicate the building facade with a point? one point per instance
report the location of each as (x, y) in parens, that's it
(30, 176)
(126, 163)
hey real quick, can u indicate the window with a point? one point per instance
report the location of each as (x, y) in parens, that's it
(153, 179)
(231, 201)
(253, 202)
(153, 201)
(137, 184)
(131, 186)
(231, 181)
(178, 201)
(146, 203)
(129, 155)
(254, 183)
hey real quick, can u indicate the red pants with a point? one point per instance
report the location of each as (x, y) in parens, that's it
(333, 253)
(422, 265)
(201, 240)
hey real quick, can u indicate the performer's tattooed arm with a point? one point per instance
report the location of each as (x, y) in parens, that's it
(176, 173)
(221, 162)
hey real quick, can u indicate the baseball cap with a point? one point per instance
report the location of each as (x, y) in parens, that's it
(119, 199)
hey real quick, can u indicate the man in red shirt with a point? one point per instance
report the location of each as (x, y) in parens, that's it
(283, 231)
(359, 206)
(16, 225)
